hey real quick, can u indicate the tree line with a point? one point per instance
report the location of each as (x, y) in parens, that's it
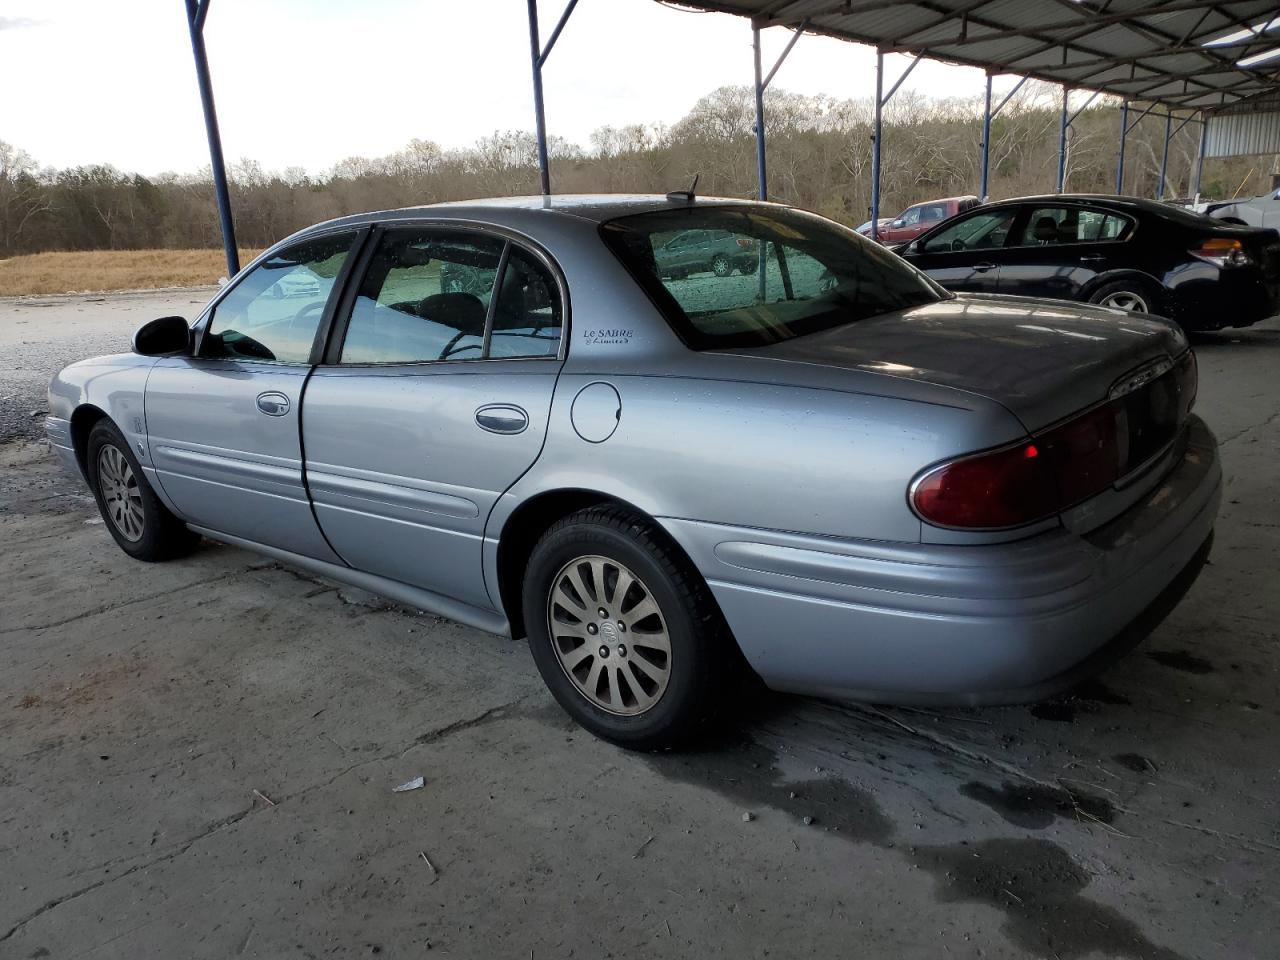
(819, 157)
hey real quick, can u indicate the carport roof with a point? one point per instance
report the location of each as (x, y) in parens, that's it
(1180, 53)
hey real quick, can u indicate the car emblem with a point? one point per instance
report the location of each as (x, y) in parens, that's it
(609, 632)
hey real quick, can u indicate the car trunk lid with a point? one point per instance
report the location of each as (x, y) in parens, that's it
(1043, 360)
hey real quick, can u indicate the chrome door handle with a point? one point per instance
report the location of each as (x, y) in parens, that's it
(1092, 258)
(984, 267)
(502, 418)
(273, 404)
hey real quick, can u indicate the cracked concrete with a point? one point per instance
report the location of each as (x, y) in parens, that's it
(142, 706)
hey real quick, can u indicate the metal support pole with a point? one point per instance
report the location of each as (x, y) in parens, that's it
(875, 150)
(196, 13)
(1204, 134)
(539, 114)
(761, 172)
(1164, 159)
(1124, 130)
(986, 144)
(1062, 141)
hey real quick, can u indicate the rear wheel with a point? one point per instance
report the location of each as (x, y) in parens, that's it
(624, 631)
(142, 525)
(1123, 295)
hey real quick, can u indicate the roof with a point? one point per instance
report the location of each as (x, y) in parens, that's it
(1180, 53)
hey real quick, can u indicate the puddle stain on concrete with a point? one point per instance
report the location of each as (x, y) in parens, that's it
(1036, 807)
(1181, 660)
(1033, 882)
(1038, 888)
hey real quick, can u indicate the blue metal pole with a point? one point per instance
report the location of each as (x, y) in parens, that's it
(1124, 131)
(986, 144)
(1164, 160)
(196, 13)
(760, 162)
(539, 115)
(1062, 141)
(875, 150)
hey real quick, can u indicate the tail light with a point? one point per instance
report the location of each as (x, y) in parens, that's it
(747, 243)
(1222, 252)
(1062, 466)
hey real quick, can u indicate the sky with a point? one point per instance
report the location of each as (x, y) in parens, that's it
(309, 82)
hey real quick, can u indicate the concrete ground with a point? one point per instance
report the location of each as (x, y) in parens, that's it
(197, 760)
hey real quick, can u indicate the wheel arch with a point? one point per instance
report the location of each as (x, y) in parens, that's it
(83, 420)
(530, 520)
(1150, 284)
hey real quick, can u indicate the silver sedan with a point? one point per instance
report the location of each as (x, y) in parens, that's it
(824, 471)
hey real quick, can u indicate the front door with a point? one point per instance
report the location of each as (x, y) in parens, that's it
(435, 402)
(223, 425)
(966, 253)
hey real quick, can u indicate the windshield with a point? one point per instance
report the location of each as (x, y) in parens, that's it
(744, 277)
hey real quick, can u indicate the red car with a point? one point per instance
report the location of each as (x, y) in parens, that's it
(915, 220)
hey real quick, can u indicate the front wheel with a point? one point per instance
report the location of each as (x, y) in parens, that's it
(142, 525)
(721, 266)
(623, 630)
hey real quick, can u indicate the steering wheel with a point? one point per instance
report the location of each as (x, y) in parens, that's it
(315, 307)
(957, 244)
(452, 347)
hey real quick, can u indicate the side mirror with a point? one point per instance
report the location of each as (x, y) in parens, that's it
(166, 335)
(898, 223)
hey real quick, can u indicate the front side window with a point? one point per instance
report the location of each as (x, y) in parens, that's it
(816, 275)
(274, 312)
(982, 231)
(933, 213)
(911, 216)
(431, 295)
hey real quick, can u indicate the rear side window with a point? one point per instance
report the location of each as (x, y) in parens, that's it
(431, 295)
(786, 274)
(1058, 225)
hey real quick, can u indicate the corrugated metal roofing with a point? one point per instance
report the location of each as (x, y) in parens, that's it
(1169, 52)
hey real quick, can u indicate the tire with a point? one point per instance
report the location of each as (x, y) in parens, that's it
(749, 267)
(142, 525)
(721, 266)
(664, 697)
(1128, 295)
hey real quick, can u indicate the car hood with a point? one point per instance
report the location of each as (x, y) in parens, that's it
(1041, 359)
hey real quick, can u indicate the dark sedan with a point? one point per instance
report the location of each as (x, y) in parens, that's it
(1122, 252)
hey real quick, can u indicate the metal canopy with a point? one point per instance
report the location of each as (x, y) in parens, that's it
(1180, 53)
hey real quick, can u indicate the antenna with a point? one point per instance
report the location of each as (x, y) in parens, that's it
(688, 196)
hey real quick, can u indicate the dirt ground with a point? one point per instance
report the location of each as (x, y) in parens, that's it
(197, 760)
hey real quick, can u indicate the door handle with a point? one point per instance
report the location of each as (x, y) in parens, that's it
(1092, 258)
(273, 404)
(984, 267)
(502, 418)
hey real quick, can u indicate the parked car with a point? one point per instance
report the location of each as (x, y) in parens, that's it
(915, 220)
(864, 229)
(1263, 211)
(835, 474)
(687, 252)
(1122, 252)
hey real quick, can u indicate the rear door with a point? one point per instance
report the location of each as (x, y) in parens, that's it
(434, 400)
(1060, 249)
(965, 253)
(223, 424)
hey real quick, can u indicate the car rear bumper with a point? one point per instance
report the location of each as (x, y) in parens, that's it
(998, 623)
(1238, 298)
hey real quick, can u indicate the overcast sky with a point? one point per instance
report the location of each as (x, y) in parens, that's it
(309, 82)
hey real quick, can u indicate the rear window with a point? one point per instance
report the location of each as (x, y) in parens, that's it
(763, 276)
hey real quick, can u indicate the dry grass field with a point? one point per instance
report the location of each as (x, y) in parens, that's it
(98, 270)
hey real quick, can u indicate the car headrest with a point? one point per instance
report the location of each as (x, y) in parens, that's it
(1045, 230)
(462, 311)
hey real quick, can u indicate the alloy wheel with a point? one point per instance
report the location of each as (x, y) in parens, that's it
(609, 635)
(121, 497)
(721, 267)
(1125, 300)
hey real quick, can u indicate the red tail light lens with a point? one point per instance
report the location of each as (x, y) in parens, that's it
(1062, 466)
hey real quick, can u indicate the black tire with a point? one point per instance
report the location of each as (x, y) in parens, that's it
(749, 267)
(1122, 291)
(721, 266)
(703, 662)
(161, 536)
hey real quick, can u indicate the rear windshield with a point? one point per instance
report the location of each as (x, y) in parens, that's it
(746, 277)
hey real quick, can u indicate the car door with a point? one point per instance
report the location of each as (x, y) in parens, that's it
(1061, 248)
(432, 402)
(222, 424)
(965, 254)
